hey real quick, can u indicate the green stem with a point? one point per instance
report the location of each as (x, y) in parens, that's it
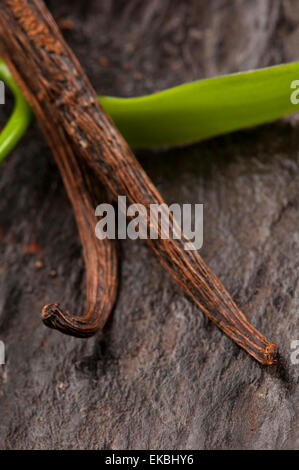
(20, 118)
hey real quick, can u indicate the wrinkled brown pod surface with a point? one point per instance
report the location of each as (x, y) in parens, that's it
(58, 90)
(100, 256)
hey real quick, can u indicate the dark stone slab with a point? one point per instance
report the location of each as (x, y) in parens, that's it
(160, 376)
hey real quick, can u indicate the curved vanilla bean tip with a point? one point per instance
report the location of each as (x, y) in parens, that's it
(55, 317)
(101, 291)
(101, 288)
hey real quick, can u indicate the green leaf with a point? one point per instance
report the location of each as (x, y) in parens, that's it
(206, 108)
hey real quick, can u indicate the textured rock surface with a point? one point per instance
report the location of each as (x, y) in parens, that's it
(160, 376)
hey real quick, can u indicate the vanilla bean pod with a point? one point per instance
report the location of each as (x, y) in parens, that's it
(58, 90)
(100, 257)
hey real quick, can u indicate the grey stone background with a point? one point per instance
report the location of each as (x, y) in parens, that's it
(160, 376)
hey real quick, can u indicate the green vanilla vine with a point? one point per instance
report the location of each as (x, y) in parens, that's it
(19, 119)
(184, 114)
